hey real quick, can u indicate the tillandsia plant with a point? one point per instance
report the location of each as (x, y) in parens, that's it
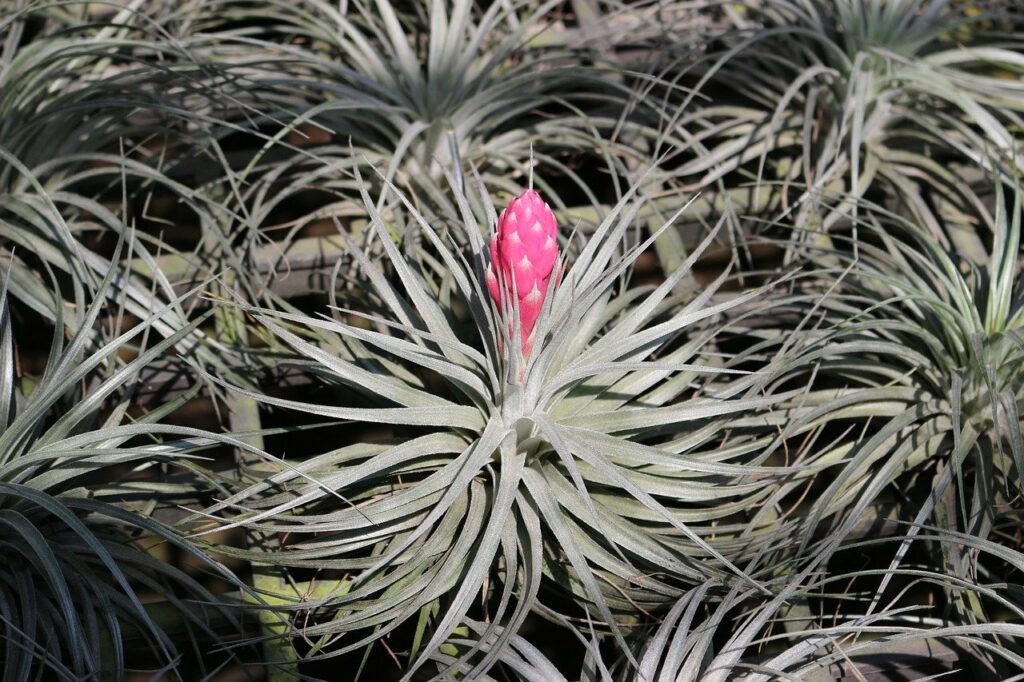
(99, 122)
(917, 374)
(958, 331)
(951, 334)
(912, 365)
(748, 635)
(471, 88)
(79, 80)
(85, 491)
(829, 101)
(589, 465)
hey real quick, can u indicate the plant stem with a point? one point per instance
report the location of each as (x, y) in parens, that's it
(244, 416)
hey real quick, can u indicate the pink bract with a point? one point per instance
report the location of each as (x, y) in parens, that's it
(523, 256)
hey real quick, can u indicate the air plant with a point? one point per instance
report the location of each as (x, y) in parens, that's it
(912, 366)
(579, 464)
(759, 638)
(85, 492)
(470, 91)
(98, 124)
(951, 333)
(919, 356)
(834, 101)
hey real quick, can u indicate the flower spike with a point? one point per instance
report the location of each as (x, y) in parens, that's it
(523, 255)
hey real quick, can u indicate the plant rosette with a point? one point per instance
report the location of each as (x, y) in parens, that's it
(563, 441)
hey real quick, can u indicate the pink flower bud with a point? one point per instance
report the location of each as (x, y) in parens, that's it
(523, 256)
